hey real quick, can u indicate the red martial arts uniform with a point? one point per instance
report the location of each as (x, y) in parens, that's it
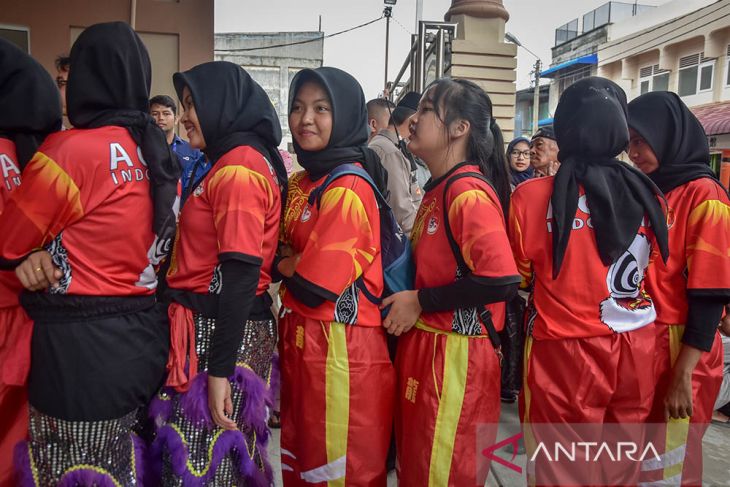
(591, 337)
(235, 211)
(77, 201)
(699, 239)
(338, 383)
(16, 330)
(448, 371)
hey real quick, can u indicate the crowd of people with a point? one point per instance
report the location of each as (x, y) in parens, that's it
(137, 338)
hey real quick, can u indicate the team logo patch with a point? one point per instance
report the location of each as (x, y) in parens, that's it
(198, 191)
(433, 225)
(306, 214)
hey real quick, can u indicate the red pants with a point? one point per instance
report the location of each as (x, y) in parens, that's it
(337, 393)
(448, 384)
(597, 380)
(15, 335)
(681, 439)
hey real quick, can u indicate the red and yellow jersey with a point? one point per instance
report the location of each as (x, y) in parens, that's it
(10, 286)
(339, 243)
(699, 249)
(233, 213)
(588, 298)
(85, 197)
(477, 224)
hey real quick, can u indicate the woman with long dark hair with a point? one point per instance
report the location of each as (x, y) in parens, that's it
(100, 199)
(337, 378)
(583, 239)
(31, 109)
(448, 365)
(212, 417)
(669, 145)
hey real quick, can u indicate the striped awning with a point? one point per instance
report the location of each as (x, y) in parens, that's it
(714, 117)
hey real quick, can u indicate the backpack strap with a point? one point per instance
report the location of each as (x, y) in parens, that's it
(484, 313)
(315, 197)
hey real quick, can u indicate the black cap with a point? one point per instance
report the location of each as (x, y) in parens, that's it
(410, 100)
(545, 132)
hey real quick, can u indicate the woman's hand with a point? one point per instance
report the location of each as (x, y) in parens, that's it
(288, 265)
(678, 401)
(405, 310)
(37, 272)
(220, 403)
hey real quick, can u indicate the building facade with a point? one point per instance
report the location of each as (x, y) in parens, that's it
(178, 33)
(272, 59)
(688, 54)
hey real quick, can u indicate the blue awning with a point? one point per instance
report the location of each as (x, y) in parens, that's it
(551, 72)
(544, 122)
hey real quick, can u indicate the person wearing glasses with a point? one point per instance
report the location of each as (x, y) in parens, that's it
(518, 155)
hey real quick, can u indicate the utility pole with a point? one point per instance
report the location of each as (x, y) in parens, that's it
(536, 96)
(387, 12)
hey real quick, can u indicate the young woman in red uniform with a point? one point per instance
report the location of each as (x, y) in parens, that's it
(31, 110)
(448, 367)
(212, 418)
(337, 379)
(109, 188)
(582, 239)
(669, 145)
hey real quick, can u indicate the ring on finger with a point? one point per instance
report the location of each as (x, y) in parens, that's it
(38, 269)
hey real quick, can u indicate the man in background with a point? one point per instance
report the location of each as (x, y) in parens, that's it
(404, 194)
(193, 163)
(544, 152)
(63, 63)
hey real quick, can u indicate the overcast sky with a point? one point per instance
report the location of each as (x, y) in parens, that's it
(362, 52)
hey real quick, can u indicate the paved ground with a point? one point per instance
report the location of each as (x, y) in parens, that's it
(716, 455)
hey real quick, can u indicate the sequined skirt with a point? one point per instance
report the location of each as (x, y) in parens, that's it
(189, 449)
(79, 453)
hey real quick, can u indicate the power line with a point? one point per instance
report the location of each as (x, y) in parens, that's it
(401, 25)
(245, 49)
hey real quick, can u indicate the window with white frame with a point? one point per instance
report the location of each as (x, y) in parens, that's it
(651, 78)
(727, 67)
(568, 78)
(695, 74)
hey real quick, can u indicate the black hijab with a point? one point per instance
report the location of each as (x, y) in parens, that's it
(591, 130)
(233, 110)
(30, 105)
(349, 138)
(676, 137)
(109, 84)
(519, 176)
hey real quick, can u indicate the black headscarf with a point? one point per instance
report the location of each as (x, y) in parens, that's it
(519, 176)
(109, 84)
(30, 105)
(349, 138)
(591, 130)
(676, 137)
(233, 110)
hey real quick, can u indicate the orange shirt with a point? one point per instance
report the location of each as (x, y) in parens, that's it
(234, 212)
(10, 286)
(699, 249)
(86, 197)
(338, 243)
(588, 298)
(477, 224)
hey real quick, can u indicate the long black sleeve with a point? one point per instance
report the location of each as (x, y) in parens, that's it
(703, 316)
(468, 292)
(238, 291)
(307, 292)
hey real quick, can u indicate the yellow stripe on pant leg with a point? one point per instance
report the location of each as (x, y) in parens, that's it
(677, 429)
(456, 365)
(337, 396)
